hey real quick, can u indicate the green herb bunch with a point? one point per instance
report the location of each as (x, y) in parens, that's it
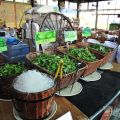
(102, 49)
(11, 69)
(82, 53)
(50, 63)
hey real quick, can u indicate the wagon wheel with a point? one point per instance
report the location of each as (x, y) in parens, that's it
(58, 22)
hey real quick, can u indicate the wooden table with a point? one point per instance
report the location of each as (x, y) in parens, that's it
(63, 106)
(116, 67)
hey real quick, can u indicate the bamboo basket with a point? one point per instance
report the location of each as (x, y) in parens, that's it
(82, 44)
(92, 66)
(101, 39)
(106, 57)
(67, 79)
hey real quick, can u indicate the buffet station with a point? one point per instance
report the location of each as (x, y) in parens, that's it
(59, 75)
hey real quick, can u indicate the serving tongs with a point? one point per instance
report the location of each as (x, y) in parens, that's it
(59, 71)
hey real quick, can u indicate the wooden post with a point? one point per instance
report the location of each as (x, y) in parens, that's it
(119, 38)
(32, 3)
(59, 5)
(88, 6)
(78, 10)
(46, 2)
(15, 15)
(107, 22)
(96, 21)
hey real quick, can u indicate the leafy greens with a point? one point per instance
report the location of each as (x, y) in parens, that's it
(11, 69)
(50, 62)
(82, 53)
(102, 49)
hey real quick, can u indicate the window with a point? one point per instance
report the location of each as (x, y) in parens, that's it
(52, 3)
(43, 2)
(101, 5)
(118, 4)
(21, 1)
(83, 6)
(38, 1)
(10, 0)
(66, 4)
(72, 5)
(92, 5)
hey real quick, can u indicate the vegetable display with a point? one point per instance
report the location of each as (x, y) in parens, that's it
(50, 63)
(102, 49)
(82, 53)
(11, 69)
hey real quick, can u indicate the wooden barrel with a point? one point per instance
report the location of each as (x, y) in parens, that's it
(34, 106)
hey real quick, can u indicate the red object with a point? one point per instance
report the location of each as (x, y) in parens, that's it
(107, 114)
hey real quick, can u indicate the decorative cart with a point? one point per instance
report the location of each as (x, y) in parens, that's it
(59, 23)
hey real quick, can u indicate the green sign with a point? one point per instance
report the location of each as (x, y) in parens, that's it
(45, 37)
(86, 32)
(70, 35)
(3, 46)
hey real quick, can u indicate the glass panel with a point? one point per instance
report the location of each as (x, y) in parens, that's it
(110, 4)
(43, 2)
(102, 21)
(71, 6)
(69, 13)
(75, 5)
(84, 22)
(9, 0)
(101, 5)
(118, 4)
(66, 4)
(52, 3)
(25, 1)
(92, 5)
(18, 0)
(38, 1)
(83, 6)
(117, 11)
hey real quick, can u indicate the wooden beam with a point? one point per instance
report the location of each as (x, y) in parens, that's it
(108, 14)
(78, 10)
(99, 10)
(119, 38)
(46, 2)
(15, 14)
(96, 21)
(32, 3)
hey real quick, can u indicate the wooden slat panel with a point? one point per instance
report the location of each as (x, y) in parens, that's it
(8, 11)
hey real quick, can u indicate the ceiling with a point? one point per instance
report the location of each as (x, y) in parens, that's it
(82, 1)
